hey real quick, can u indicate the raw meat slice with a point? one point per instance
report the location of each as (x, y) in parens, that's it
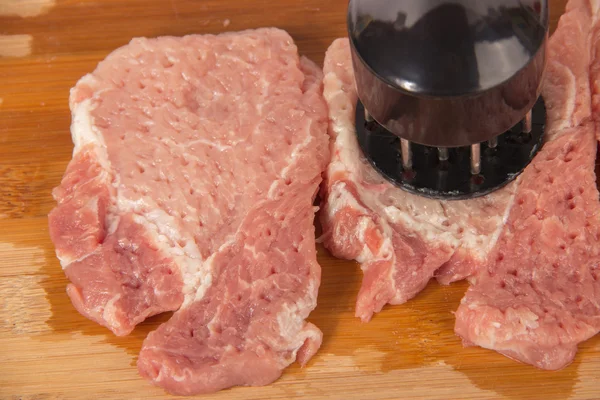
(538, 296)
(399, 239)
(195, 167)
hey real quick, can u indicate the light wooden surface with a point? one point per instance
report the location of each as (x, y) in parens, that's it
(49, 351)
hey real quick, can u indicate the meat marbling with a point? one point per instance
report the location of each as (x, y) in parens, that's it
(530, 249)
(191, 188)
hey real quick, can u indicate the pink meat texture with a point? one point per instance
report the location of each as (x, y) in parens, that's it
(530, 250)
(191, 188)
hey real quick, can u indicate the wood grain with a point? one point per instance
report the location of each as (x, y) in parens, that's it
(49, 351)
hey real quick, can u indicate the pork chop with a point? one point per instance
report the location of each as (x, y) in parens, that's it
(191, 187)
(538, 296)
(401, 240)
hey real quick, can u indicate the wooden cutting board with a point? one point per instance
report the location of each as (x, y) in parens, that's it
(49, 351)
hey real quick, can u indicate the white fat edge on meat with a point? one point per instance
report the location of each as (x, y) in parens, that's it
(347, 147)
(83, 128)
(88, 81)
(348, 150)
(109, 312)
(340, 197)
(386, 247)
(570, 93)
(161, 226)
(202, 277)
(83, 133)
(64, 258)
(429, 227)
(293, 327)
